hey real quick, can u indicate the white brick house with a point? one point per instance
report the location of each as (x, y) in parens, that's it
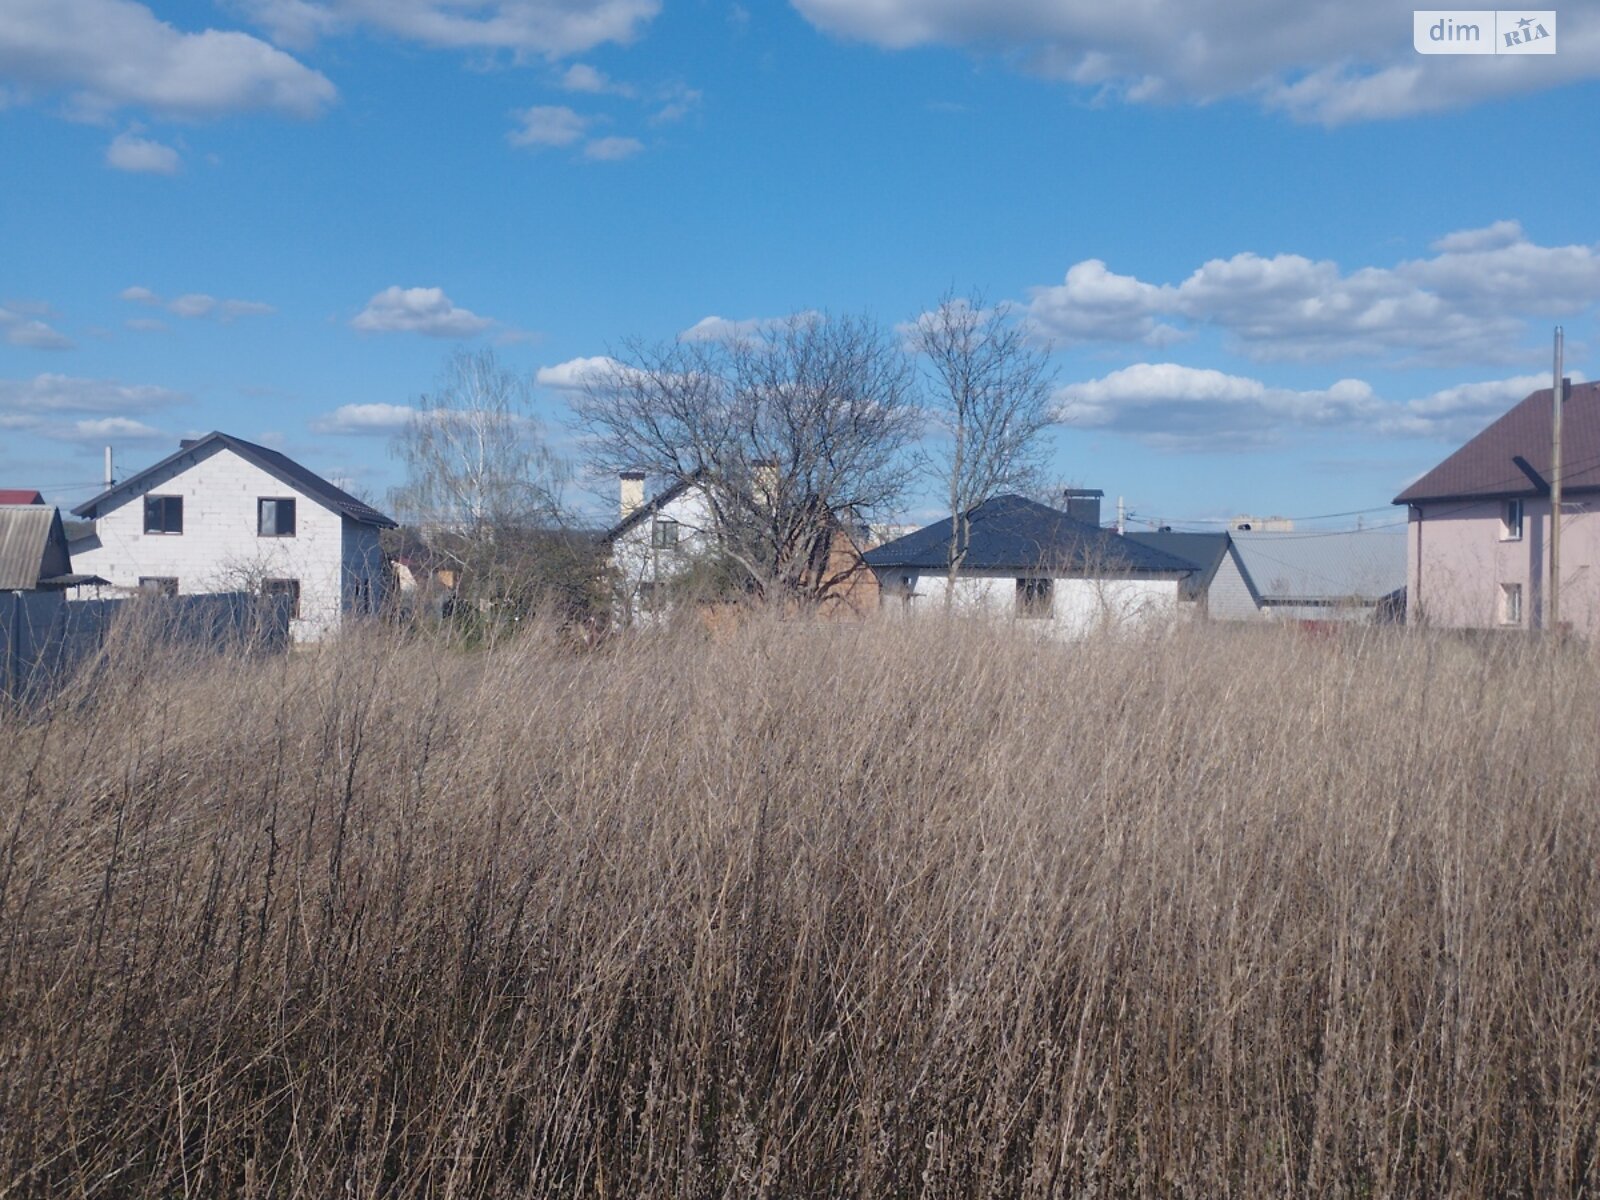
(226, 515)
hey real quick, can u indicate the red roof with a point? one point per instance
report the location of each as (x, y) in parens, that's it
(20, 496)
(1512, 457)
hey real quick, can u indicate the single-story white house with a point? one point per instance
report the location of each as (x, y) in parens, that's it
(1034, 563)
(226, 515)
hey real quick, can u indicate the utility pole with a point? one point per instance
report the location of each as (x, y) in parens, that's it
(1557, 396)
(1122, 516)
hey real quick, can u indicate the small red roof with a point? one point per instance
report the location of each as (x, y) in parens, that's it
(20, 496)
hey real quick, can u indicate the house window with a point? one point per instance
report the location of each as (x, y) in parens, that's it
(158, 585)
(284, 587)
(275, 518)
(664, 534)
(163, 514)
(1035, 598)
(1511, 521)
(1511, 604)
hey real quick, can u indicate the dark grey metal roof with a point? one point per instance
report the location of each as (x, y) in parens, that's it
(1013, 533)
(33, 547)
(1203, 551)
(281, 466)
(1512, 456)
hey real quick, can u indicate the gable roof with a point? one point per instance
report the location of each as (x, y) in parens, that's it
(1512, 456)
(280, 466)
(20, 496)
(33, 550)
(648, 509)
(1323, 568)
(1202, 551)
(1013, 533)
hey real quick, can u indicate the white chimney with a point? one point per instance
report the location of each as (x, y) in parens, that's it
(630, 493)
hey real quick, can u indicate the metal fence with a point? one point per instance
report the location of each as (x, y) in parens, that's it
(44, 637)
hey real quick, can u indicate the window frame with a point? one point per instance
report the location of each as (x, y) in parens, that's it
(158, 585)
(160, 504)
(294, 515)
(659, 540)
(277, 585)
(1511, 531)
(1036, 597)
(1511, 604)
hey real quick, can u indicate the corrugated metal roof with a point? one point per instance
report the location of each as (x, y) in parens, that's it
(1487, 466)
(279, 465)
(1323, 568)
(32, 546)
(1014, 533)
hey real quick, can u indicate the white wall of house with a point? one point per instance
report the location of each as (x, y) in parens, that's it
(1077, 607)
(1461, 559)
(337, 561)
(641, 564)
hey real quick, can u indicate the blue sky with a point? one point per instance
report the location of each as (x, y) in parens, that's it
(1285, 263)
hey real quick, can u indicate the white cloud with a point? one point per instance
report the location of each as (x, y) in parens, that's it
(1177, 407)
(129, 152)
(612, 149)
(100, 429)
(1455, 414)
(424, 310)
(110, 54)
(581, 77)
(385, 419)
(192, 306)
(677, 102)
(145, 325)
(1470, 301)
(19, 326)
(48, 404)
(547, 27)
(576, 373)
(1319, 62)
(715, 328)
(548, 125)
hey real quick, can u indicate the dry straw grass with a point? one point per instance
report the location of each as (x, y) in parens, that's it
(917, 910)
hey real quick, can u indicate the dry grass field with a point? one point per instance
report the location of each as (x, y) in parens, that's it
(811, 911)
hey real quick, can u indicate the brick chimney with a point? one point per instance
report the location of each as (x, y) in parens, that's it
(630, 493)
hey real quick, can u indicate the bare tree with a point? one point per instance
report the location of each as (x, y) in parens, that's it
(989, 391)
(480, 480)
(790, 432)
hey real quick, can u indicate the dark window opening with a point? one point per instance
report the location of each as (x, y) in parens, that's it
(275, 518)
(163, 514)
(1035, 597)
(664, 535)
(284, 587)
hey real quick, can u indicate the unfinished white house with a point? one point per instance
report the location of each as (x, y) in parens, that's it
(654, 540)
(226, 515)
(1026, 561)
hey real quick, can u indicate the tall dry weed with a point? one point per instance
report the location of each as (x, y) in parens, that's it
(907, 910)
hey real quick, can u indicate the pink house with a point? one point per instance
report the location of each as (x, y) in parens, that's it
(1478, 544)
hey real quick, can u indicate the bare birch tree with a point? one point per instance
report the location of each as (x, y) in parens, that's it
(791, 432)
(988, 390)
(481, 483)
